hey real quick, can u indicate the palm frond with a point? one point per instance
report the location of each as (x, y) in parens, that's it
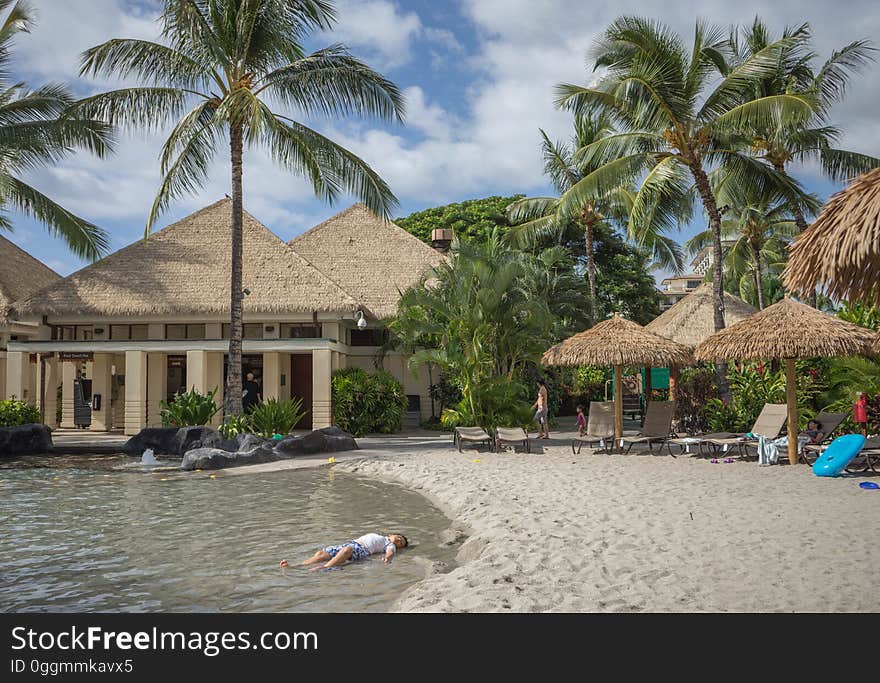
(153, 63)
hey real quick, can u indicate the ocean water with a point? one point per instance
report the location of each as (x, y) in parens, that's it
(82, 535)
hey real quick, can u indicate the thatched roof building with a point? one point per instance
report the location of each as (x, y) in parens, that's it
(617, 341)
(691, 320)
(20, 275)
(841, 249)
(185, 269)
(786, 329)
(372, 259)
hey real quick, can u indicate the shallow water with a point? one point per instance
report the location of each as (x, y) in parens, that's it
(76, 535)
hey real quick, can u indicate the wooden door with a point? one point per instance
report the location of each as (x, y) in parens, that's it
(301, 385)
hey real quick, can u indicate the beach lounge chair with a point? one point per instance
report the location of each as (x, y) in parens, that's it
(470, 435)
(869, 458)
(770, 422)
(512, 435)
(830, 422)
(600, 427)
(657, 427)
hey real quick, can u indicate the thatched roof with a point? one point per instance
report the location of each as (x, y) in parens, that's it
(841, 249)
(786, 329)
(185, 269)
(618, 341)
(372, 259)
(20, 275)
(691, 320)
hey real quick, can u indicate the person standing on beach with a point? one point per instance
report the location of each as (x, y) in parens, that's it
(541, 414)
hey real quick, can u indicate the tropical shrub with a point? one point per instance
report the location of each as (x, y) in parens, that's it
(190, 409)
(276, 417)
(497, 402)
(234, 425)
(14, 413)
(695, 388)
(847, 377)
(365, 403)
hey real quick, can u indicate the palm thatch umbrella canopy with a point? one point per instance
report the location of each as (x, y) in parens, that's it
(618, 342)
(787, 330)
(691, 320)
(841, 249)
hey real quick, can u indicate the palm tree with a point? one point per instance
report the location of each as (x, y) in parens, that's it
(678, 109)
(35, 132)
(536, 217)
(760, 232)
(812, 139)
(220, 65)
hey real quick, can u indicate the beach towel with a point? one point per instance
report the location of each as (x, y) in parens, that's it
(768, 449)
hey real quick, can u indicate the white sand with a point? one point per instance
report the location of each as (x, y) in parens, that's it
(593, 532)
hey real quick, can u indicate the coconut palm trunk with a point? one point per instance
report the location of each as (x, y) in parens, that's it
(591, 262)
(233, 377)
(759, 288)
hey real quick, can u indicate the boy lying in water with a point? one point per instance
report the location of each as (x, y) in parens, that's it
(358, 549)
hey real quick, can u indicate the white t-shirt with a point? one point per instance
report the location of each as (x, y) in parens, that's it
(375, 543)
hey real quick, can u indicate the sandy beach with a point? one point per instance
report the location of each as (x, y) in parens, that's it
(630, 533)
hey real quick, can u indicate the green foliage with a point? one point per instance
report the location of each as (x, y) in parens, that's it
(365, 403)
(496, 402)
(624, 283)
(276, 416)
(589, 381)
(860, 314)
(14, 413)
(693, 391)
(190, 409)
(848, 378)
(234, 425)
(474, 219)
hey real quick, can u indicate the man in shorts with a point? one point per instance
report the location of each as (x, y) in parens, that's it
(358, 549)
(541, 414)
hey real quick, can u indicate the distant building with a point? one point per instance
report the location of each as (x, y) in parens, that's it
(674, 289)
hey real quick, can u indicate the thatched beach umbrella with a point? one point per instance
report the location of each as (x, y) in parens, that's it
(617, 342)
(841, 249)
(787, 330)
(691, 321)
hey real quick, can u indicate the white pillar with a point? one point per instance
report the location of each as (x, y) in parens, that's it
(197, 371)
(271, 375)
(214, 380)
(16, 366)
(157, 386)
(50, 391)
(135, 391)
(68, 377)
(321, 411)
(102, 420)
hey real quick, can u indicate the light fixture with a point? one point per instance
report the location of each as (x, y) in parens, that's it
(361, 321)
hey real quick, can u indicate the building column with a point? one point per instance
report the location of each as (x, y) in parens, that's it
(49, 405)
(135, 391)
(214, 380)
(321, 411)
(271, 376)
(157, 386)
(197, 371)
(284, 371)
(16, 365)
(68, 378)
(102, 420)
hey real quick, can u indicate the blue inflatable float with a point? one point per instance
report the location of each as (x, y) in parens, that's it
(838, 455)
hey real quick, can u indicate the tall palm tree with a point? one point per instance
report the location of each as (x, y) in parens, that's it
(221, 63)
(35, 132)
(812, 139)
(678, 108)
(760, 232)
(536, 217)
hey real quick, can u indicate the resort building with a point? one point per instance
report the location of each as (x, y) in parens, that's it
(674, 289)
(150, 320)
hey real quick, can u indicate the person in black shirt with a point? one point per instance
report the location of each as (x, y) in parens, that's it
(252, 394)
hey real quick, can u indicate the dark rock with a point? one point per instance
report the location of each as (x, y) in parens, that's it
(289, 447)
(327, 440)
(29, 439)
(160, 439)
(248, 442)
(215, 458)
(190, 438)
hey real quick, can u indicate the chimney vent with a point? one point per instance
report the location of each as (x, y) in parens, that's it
(441, 239)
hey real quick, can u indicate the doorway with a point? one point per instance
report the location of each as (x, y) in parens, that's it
(176, 377)
(301, 385)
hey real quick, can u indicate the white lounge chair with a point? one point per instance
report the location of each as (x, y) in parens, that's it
(600, 427)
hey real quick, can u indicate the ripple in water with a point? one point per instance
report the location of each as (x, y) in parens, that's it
(81, 540)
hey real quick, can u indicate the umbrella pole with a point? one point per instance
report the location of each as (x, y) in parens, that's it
(791, 401)
(618, 402)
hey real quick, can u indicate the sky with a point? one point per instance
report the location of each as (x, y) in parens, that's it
(478, 76)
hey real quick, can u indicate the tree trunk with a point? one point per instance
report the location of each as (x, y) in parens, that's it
(233, 377)
(756, 254)
(708, 198)
(591, 267)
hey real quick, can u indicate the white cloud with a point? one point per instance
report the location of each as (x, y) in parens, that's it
(379, 26)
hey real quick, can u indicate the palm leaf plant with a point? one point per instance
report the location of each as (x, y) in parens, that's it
(36, 131)
(214, 78)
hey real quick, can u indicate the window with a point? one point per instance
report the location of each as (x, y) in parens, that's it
(300, 331)
(63, 332)
(368, 337)
(139, 332)
(120, 332)
(185, 331)
(250, 331)
(692, 284)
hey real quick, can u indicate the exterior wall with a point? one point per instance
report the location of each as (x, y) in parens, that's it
(135, 391)
(3, 375)
(157, 386)
(102, 420)
(321, 413)
(396, 364)
(68, 377)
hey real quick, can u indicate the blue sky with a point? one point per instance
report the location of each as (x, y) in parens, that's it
(478, 76)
